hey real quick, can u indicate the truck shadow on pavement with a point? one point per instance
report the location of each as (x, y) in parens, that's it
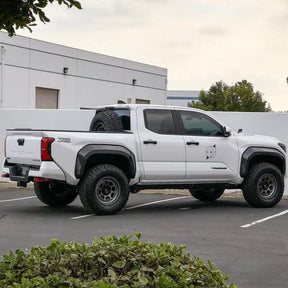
(189, 205)
(76, 209)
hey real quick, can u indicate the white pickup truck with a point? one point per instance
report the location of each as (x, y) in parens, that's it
(135, 147)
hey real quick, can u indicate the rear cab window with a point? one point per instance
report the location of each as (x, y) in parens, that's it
(159, 121)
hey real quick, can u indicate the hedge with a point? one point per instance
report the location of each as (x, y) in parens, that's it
(108, 263)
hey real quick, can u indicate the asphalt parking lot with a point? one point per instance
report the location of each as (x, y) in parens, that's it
(248, 244)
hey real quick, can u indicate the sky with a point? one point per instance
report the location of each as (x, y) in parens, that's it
(200, 42)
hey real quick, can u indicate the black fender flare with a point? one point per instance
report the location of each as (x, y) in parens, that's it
(252, 152)
(93, 150)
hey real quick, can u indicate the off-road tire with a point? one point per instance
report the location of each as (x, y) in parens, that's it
(54, 193)
(104, 190)
(211, 194)
(106, 121)
(263, 186)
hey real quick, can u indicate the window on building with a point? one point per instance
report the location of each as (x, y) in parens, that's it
(142, 101)
(46, 98)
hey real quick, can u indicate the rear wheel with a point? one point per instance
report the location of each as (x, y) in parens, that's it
(211, 194)
(104, 190)
(55, 193)
(263, 186)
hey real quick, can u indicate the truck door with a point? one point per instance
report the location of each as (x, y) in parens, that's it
(209, 154)
(161, 147)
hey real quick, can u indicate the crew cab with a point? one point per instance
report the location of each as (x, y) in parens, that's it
(129, 148)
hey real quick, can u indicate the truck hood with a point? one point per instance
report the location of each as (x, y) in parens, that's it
(245, 139)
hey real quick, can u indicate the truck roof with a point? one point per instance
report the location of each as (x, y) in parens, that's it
(134, 106)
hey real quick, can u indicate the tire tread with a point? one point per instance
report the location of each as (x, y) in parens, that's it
(110, 120)
(248, 186)
(87, 189)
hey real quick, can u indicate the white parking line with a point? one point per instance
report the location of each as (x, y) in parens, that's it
(82, 216)
(156, 202)
(264, 219)
(136, 206)
(18, 199)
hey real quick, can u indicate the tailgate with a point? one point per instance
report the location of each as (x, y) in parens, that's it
(24, 149)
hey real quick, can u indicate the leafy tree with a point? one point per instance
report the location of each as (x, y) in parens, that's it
(238, 97)
(15, 14)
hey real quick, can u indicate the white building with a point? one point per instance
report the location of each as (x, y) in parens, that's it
(38, 74)
(181, 97)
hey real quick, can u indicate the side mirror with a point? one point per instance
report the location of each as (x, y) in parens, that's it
(227, 131)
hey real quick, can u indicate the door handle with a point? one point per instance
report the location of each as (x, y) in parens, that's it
(192, 143)
(150, 141)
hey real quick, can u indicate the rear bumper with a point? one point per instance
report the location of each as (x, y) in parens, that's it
(25, 173)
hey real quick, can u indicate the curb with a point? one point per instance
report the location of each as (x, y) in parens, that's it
(184, 192)
(5, 185)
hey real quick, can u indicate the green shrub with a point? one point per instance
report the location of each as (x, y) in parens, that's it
(110, 262)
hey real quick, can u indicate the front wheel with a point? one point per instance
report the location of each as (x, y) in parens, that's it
(263, 186)
(104, 190)
(211, 194)
(55, 193)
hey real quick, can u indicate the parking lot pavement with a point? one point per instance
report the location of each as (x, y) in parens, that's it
(248, 244)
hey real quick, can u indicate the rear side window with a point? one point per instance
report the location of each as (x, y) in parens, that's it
(124, 115)
(159, 121)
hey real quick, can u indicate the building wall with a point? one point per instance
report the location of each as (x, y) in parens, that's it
(92, 79)
(181, 97)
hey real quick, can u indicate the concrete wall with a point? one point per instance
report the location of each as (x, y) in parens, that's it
(92, 79)
(272, 124)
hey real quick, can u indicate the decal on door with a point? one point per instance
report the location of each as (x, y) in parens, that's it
(211, 152)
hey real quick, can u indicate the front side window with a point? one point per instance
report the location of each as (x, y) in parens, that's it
(159, 121)
(195, 123)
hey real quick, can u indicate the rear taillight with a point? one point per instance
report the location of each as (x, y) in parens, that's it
(46, 149)
(39, 180)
